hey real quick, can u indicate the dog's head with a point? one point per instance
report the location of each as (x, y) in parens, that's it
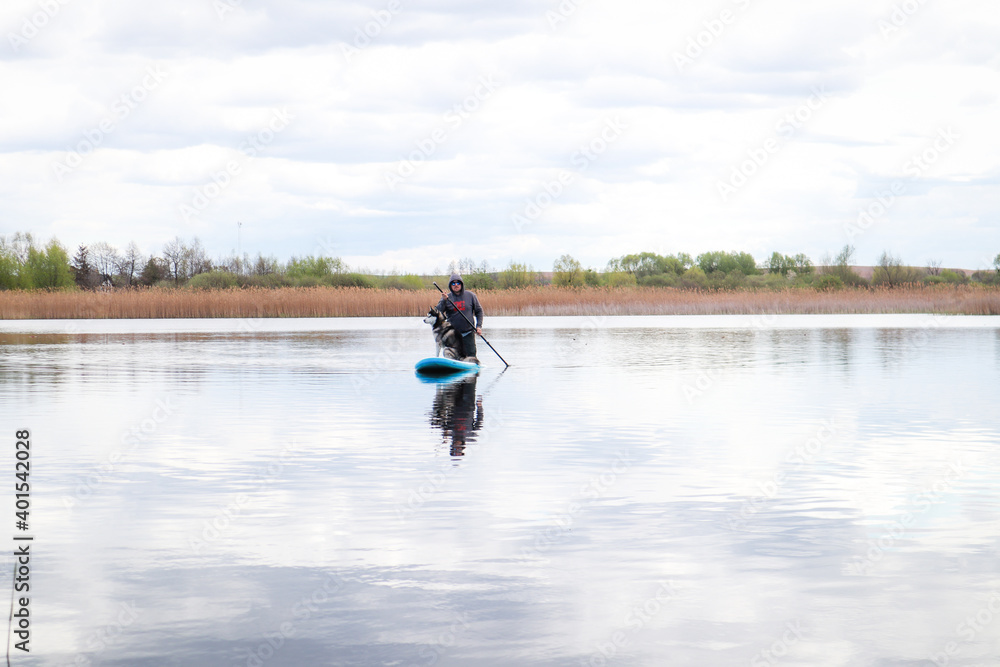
(433, 316)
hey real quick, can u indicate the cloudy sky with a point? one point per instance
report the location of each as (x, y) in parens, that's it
(403, 134)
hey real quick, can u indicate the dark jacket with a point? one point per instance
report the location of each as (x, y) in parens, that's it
(454, 305)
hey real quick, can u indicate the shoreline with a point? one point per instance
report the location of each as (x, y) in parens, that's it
(310, 302)
(35, 331)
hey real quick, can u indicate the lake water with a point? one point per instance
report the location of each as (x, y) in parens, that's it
(793, 490)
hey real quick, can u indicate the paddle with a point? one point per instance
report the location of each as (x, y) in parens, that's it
(505, 364)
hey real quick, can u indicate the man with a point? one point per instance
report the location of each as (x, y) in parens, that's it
(457, 306)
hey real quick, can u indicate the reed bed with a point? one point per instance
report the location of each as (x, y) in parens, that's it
(367, 302)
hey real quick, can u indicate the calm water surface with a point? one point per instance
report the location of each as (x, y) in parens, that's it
(631, 491)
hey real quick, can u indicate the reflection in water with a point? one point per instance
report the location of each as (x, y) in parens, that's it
(458, 413)
(223, 484)
(837, 345)
(904, 346)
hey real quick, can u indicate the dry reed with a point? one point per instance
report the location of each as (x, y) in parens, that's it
(365, 302)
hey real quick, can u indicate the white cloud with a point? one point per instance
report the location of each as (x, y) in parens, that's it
(558, 81)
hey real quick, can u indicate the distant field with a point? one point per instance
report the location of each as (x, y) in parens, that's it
(364, 302)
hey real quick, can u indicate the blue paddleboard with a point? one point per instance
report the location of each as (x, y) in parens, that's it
(443, 366)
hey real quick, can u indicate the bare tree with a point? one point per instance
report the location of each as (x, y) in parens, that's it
(889, 271)
(129, 263)
(235, 264)
(468, 266)
(21, 244)
(194, 259)
(105, 259)
(845, 258)
(173, 253)
(840, 266)
(265, 266)
(934, 267)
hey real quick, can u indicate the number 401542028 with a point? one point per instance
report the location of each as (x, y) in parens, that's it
(22, 469)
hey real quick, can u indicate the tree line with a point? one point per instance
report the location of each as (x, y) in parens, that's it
(739, 270)
(26, 265)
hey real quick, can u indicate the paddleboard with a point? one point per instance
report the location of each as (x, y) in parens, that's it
(444, 366)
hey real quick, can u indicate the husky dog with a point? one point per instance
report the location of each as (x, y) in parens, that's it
(445, 336)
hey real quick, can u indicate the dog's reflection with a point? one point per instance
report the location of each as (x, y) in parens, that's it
(458, 412)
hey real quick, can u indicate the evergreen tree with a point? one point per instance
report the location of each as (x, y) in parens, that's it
(154, 271)
(84, 274)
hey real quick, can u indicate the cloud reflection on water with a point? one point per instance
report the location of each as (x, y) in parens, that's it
(450, 583)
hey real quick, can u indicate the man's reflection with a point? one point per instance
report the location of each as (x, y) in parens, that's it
(458, 412)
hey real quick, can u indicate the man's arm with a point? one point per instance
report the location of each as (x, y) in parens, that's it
(478, 310)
